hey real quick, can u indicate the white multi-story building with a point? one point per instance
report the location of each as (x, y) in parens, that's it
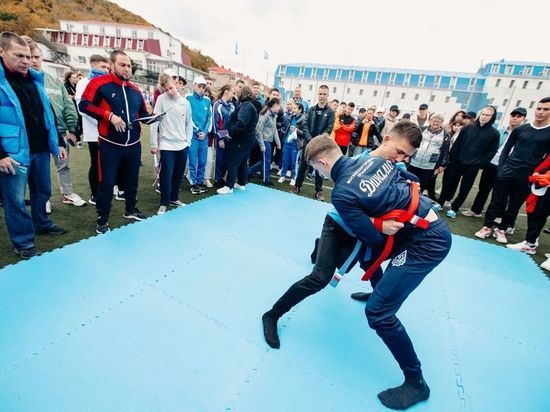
(504, 84)
(151, 49)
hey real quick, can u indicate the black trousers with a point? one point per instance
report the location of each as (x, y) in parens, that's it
(537, 220)
(486, 183)
(236, 156)
(93, 172)
(456, 174)
(425, 176)
(509, 194)
(300, 176)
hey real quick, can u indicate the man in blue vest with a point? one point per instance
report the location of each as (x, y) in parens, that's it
(28, 134)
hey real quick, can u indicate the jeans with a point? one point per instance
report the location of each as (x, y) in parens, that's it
(264, 164)
(112, 160)
(172, 166)
(93, 172)
(198, 152)
(18, 220)
(40, 187)
(290, 153)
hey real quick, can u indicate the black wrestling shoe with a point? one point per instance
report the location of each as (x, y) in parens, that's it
(360, 296)
(269, 321)
(27, 253)
(408, 394)
(54, 230)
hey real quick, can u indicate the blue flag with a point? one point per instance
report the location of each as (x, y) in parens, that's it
(236, 47)
(266, 55)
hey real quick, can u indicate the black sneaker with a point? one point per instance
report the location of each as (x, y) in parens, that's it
(102, 229)
(54, 230)
(135, 214)
(203, 188)
(27, 253)
(195, 190)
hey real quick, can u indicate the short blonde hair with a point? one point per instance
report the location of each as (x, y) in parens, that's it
(320, 145)
(164, 79)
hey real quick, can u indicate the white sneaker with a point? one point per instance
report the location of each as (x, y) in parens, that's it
(469, 213)
(279, 173)
(447, 204)
(288, 173)
(281, 179)
(510, 230)
(238, 186)
(207, 183)
(48, 207)
(483, 233)
(498, 220)
(293, 182)
(547, 255)
(162, 210)
(500, 236)
(224, 190)
(523, 247)
(115, 190)
(73, 199)
(177, 203)
(546, 264)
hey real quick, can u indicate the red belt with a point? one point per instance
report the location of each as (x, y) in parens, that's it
(400, 215)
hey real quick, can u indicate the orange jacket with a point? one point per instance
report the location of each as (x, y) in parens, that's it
(344, 126)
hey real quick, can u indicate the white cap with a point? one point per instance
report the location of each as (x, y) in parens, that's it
(199, 80)
(170, 73)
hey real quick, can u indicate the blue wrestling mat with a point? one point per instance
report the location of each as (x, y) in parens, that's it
(165, 315)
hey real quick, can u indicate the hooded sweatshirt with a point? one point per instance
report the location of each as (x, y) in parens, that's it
(476, 145)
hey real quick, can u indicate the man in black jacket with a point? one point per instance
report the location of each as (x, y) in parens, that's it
(474, 148)
(320, 119)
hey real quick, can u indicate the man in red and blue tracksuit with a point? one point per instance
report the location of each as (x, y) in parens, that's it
(116, 104)
(380, 206)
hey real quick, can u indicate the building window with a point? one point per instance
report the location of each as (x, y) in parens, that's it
(70, 27)
(360, 92)
(532, 104)
(134, 33)
(505, 102)
(85, 39)
(539, 85)
(351, 75)
(74, 38)
(525, 84)
(302, 71)
(447, 99)
(491, 101)
(102, 30)
(512, 83)
(107, 41)
(85, 28)
(497, 83)
(494, 68)
(518, 103)
(407, 79)
(334, 89)
(378, 78)
(545, 72)
(95, 41)
(375, 93)
(310, 87)
(437, 81)
(403, 95)
(140, 44)
(117, 32)
(452, 83)
(338, 74)
(432, 97)
(150, 35)
(282, 69)
(387, 94)
(364, 77)
(82, 59)
(117, 42)
(325, 74)
(509, 69)
(348, 91)
(416, 96)
(314, 73)
(421, 80)
(392, 78)
(528, 70)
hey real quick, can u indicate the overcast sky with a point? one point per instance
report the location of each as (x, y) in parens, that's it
(425, 34)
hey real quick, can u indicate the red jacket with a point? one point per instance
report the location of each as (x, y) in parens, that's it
(344, 126)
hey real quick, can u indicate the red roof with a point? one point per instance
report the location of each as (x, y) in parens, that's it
(220, 70)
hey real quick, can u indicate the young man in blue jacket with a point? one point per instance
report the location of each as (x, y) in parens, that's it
(367, 188)
(28, 134)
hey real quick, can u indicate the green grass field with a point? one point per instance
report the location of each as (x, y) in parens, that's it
(80, 221)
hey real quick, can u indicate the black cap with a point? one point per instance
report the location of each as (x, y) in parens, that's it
(394, 108)
(470, 115)
(519, 110)
(423, 106)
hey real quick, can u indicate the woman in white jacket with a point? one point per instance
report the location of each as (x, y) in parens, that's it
(171, 137)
